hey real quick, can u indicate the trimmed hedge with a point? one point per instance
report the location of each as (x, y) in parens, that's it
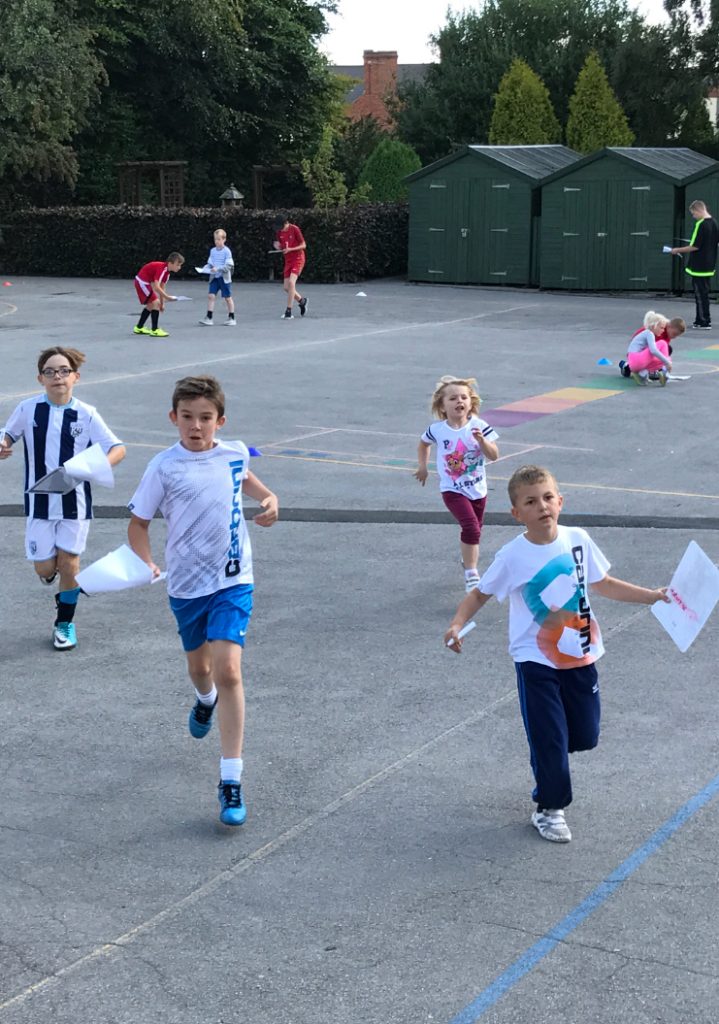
(350, 243)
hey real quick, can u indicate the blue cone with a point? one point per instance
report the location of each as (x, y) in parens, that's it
(604, 362)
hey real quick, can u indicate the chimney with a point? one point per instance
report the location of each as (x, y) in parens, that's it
(380, 72)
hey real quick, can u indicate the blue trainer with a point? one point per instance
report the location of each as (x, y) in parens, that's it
(64, 637)
(200, 720)
(232, 807)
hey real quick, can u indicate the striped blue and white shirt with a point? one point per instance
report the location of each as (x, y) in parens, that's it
(219, 258)
(52, 434)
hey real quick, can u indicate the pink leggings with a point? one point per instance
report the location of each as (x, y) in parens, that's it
(644, 360)
(469, 514)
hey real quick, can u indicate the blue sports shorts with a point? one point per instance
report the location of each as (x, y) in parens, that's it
(218, 285)
(223, 615)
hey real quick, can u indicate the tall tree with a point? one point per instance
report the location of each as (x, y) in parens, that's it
(223, 84)
(49, 76)
(386, 167)
(697, 131)
(595, 117)
(652, 69)
(523, 113)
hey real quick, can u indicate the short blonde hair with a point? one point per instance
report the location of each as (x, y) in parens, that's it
(652, 320)
(219, 231)
(470, 383)
(527, 476)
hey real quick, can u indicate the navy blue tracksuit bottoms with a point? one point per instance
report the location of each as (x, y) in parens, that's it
(561, 711)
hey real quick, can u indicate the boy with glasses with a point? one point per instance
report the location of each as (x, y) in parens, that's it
(55, 427)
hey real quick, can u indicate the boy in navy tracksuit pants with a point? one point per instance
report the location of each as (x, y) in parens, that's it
(547, 573)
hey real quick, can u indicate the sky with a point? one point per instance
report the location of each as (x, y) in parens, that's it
(404, 26)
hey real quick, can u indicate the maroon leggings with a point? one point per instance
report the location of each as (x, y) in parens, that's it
(469, 514)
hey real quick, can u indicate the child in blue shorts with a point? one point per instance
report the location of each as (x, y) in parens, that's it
(198, 485)
(221, 266)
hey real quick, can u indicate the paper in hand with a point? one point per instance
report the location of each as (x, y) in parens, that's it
(119, 570)
(694, 591)
(666, 248)
(207, 269)
(55, 482)
(91, 466)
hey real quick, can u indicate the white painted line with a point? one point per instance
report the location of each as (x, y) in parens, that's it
(278, 349)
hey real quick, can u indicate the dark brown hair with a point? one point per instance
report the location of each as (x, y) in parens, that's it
(74, 358)
(202, 386)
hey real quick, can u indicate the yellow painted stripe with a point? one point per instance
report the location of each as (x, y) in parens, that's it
(581, 395)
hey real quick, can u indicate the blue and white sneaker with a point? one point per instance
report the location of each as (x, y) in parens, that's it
(232, 806)
(200, 720)
(64, 637)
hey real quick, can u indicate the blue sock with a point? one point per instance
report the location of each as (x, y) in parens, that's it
(69, 596)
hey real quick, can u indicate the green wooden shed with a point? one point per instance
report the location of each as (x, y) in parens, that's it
(702, 185)
(473, 216)
(606, 218)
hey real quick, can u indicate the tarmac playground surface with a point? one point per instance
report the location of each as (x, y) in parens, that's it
(387, 872)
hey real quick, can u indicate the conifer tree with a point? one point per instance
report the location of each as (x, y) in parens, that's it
(523, 112)
(596, 118)
(697, 131)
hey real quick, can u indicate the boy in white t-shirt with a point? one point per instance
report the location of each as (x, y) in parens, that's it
(198, 485)
(547, 573)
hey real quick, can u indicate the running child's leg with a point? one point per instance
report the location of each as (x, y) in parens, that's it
(545, 723)
(46, 569)
(461, 508)
(582, 706)
(227, 671)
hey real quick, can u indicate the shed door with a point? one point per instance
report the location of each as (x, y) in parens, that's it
(438, 216)
(497, 214)
(584, 244)
(628, 216)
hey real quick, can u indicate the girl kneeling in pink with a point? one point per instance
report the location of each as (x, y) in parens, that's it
(648, 352)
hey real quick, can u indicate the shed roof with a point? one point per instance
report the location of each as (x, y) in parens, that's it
(532, 162)
(673, 164)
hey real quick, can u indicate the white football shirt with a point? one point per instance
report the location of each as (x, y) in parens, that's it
(200, 496)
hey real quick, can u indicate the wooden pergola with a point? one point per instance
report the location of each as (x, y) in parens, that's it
(170, 176)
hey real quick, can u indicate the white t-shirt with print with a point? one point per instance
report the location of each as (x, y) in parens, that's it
(460, 463)
(550, 618)
(200, 496)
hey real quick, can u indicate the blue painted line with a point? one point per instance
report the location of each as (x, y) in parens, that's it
(551, 939)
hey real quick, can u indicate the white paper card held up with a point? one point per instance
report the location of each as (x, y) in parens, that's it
(91, 465)
(119, 570)
(694, 591)
(666, 248)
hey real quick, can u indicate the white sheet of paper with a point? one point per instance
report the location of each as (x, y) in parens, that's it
(678, 376)
(666, 248)
(570, 642)
(91, 465)
(55, 482)
(558, 592)
(118, 570)
(207, 269)
(183, 298)
(694, 591)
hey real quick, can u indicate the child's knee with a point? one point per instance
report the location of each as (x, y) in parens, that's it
(67, 563)
(469, 535)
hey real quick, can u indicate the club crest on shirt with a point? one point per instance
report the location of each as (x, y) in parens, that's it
(75, 429)
(33, 547)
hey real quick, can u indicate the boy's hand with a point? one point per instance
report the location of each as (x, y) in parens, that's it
(662, 595)
(421, 474)
(5, 450)
(451, 639)
(156, 571)
(272, 510)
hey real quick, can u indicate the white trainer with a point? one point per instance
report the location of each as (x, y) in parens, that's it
(551, 825)
(207, 322)
(230, 322)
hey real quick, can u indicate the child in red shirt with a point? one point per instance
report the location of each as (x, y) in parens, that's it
(150, 283)
(291, 242)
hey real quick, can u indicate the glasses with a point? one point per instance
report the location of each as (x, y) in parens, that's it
(62, 371)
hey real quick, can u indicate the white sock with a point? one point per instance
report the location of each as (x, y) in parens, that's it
(470, 572)
(231, 769)
(207, 698)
